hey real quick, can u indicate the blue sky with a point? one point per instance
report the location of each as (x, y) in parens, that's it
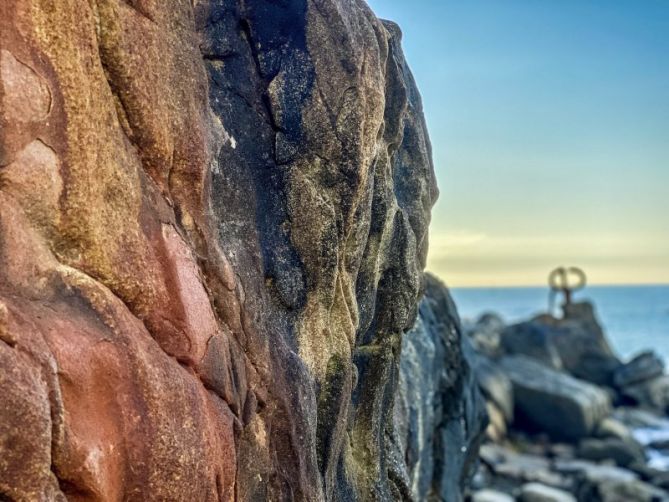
(549, 122)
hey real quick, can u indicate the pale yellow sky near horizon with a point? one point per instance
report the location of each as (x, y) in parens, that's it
(549, 124)
(470, 259)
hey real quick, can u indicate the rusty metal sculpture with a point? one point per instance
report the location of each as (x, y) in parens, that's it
(559, 281)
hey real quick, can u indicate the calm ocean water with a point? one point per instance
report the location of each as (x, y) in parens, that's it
(634, 317)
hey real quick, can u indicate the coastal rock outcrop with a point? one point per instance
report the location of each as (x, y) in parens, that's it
(642, 367)
(213, 229)
(586, 426)
(574, 342)
(536, 492)
(553, 402)
(439, 412)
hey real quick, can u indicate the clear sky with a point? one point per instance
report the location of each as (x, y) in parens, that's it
(549, 122)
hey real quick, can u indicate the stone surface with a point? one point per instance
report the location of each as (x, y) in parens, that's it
(565, 442)
(636, 418)
(652, 394)
(497, 427)
(594, 472)
(213, 225)
(491, 496)
(485, 333)
(536, 492)
(534, 340)
(553, 402)
(519, 467)
(621, 491)
(621, 451)
(612, 428)
(495, 385)
(581, 343)
(607, 483)
(644, 366)
(439, 412)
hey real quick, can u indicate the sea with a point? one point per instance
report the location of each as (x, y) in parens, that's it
(635, 318)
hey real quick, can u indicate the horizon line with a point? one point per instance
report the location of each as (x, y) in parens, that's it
(546, 286)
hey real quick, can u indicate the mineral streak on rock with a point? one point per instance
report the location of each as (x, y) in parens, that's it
(213, 226)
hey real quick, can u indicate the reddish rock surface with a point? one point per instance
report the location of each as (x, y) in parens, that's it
(117, 375)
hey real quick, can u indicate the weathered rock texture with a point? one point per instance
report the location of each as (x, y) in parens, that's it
(213, 225)
(439, 414)
(549, 401)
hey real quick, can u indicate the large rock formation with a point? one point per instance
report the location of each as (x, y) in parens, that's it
(439, 413)
(575, 343)
(213, 225)
(558, 404)
(585, 426)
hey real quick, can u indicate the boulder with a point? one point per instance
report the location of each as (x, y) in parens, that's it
(660, 480)
(575, 343)
(593, 472)
(652, 394)
(439, 413)
(488, 495)
(536, 492)
(636, 418)
(552, 402)
(519, 468)
(612, 428)
(581, 343)
(651, 431)
(620, 491)
(562, 450)
(485, 334)
(606, 483)
(495, 384)
(645, 366)
(534, 340)
(497, 428)
(594, 367)
(623, 452)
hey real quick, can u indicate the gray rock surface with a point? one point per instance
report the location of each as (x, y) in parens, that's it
(519, 467)
(594, 472)
(575, 343)
(532, 339)
(636, 418)
(495, 385)
(491, 496)
(439, 413)
(611, 427)
(485, 333)
(536, 492)
(321, 195)
(497, 424)
(565, 442)
(652, 394)
(623, 452)
(583, 346)
(644, 366)
(579, 340)
(620, 491)
(553, 402)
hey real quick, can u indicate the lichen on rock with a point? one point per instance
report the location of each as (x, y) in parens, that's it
(213, 229)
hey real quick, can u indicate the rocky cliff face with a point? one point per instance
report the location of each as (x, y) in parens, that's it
(213, 226)
(439, 412)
